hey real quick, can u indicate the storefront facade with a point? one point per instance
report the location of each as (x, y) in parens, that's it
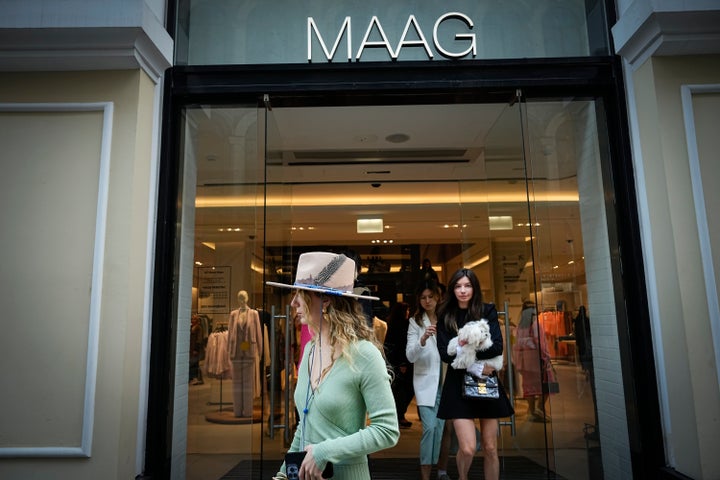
(485, 137)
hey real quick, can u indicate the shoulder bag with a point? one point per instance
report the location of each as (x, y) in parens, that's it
(483, 387)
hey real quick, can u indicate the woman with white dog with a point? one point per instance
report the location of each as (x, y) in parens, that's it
(422, 351)
(464, 304)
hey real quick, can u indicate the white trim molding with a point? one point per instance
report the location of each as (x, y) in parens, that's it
(653, 294)
(98, 259)
(687, 92)
(655, 27)
(99, 35)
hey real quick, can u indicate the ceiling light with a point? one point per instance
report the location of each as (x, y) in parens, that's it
(398, 138)
(500, 222)
(369, 225)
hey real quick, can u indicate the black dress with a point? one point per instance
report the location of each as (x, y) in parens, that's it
(452, 404)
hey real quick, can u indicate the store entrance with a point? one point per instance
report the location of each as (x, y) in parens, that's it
(493, 187)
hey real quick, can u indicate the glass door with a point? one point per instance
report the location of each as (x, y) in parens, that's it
(497, 233)
(224, 165)
(279, 259)
(523, 220)
(568, 232)
(239, 232)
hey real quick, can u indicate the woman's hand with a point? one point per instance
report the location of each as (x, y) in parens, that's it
(429, 332)
(308, 468)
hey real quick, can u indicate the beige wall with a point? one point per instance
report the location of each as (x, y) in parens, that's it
(58, 156)
(680, 306)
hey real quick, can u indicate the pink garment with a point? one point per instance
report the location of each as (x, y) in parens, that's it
(528, 361)
(305, 337)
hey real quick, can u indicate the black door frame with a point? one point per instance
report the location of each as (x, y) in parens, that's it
(395, 83)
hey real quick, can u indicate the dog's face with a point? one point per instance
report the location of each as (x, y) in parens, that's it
(475, 333)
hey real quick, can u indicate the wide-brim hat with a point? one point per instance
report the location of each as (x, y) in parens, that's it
(325, 272)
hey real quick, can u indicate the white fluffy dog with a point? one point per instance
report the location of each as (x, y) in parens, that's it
(478, 338)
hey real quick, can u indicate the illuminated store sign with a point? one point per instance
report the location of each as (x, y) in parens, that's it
(412, 36)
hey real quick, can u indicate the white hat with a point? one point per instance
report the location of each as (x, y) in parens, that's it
(325, 272)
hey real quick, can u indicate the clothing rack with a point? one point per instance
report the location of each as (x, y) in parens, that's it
(220, 402)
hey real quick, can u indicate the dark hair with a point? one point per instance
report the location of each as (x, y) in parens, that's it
(434, 287)
(448, 309)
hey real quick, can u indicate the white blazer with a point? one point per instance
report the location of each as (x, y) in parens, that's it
(426, 360)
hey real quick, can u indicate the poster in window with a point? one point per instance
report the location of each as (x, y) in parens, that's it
(213, 289)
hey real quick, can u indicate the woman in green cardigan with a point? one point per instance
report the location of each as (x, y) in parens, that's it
(343, 391)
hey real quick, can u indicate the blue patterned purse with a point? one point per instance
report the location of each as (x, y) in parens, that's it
(483, 387)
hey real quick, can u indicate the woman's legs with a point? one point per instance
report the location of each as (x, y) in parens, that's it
(431, 438)
(537, 408)
(428, 420)
(491, 465)
(465, 431)
(531, 405)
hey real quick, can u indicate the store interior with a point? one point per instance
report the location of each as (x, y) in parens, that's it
(487, 186)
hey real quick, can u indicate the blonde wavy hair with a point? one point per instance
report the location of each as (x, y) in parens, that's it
(346, 321)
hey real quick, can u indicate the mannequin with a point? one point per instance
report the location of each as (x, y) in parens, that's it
(244, 348)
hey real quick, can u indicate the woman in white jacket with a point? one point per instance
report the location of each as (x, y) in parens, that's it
(422, 351)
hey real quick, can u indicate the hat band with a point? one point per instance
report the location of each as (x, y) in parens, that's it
(330, 290)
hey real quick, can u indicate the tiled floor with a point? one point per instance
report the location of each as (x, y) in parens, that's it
(215, 449)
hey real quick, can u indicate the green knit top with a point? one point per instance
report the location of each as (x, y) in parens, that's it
(349, 415)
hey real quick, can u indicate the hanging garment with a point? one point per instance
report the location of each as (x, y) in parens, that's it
(217, 359)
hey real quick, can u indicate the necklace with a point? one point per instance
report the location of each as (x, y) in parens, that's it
(314, 379)
(310, 392)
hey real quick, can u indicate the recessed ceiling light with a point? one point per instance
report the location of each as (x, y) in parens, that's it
(398, 138)
(500, 222)
(369, 225)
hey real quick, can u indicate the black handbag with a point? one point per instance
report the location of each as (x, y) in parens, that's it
(483, 387)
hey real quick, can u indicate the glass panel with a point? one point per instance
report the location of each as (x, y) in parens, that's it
(224, 157)
(569, 233)
(261, 32)
(498, 248)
